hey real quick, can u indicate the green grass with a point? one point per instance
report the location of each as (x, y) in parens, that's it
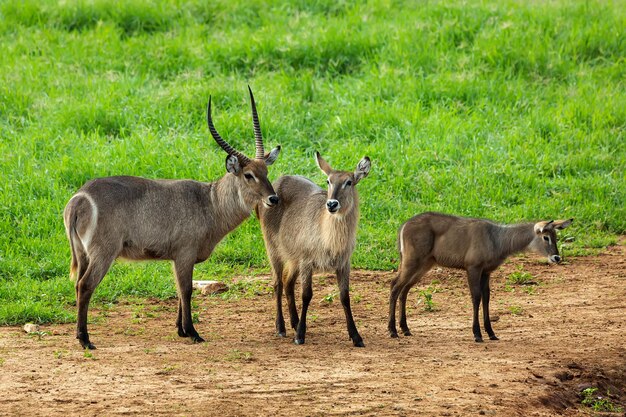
(506, 110)
(591, 399)
(520, 277)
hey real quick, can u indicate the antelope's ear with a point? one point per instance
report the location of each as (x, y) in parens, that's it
(322, 164)
(562, 224)
(270, 158)
(232, 164)
(543, 227)
(362, 169)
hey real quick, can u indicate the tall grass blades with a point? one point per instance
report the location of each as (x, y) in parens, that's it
(507, 110)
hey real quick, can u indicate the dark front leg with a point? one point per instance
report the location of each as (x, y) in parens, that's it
(307, 295)
(278, 293)
(485, 290)
(473, 276)
(183, 269)
(291, 298)
(343, 280)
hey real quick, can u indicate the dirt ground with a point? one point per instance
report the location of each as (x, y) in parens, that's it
(558, 337)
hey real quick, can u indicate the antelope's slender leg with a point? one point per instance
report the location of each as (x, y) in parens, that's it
(484, 285)
(394, 292)
(474, 275)
(183, 268)
(85, 286)
(343, 280)
(290, 294)
(278, 293)
(306, 277)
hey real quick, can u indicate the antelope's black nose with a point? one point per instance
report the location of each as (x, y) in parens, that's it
(332, 205)
(273, 199)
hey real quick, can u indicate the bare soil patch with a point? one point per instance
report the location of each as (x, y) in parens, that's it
(558, 337)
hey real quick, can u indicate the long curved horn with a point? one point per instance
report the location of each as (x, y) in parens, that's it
(258, 138)
(223, 144)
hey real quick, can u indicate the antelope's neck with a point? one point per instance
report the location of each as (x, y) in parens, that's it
(515, 238)
(339, 230)
(229, 208)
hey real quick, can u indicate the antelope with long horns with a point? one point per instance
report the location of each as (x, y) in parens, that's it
(478, 246)
(312, 230)
(178, 220)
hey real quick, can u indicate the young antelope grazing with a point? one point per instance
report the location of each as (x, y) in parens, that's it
(312, 230)
(475, 245)
(180, 220)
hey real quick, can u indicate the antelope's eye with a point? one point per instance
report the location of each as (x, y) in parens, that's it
(348, 183)
(546, 238)
(328, 182)
(248, 176)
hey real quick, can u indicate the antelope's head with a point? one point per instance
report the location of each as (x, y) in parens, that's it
(342, 195)
(545, 238)
(255, 187)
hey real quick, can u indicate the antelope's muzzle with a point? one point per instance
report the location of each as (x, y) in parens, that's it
(272, 200)
(333, 205)
(555, 259)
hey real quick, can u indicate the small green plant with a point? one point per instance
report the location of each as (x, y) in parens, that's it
(515, 310)
(1, 361)
(237, 355)
(520, 277)
(246, 289)
(167, 369)
(329, 298)
(195, 317)
(39, 334)
(591, 399)
(58, 354)
(427, 297)
(88, 354)
(140, 312)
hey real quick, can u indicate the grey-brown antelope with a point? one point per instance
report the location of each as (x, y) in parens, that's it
(179, 220)
(475, 245)
(312, 230)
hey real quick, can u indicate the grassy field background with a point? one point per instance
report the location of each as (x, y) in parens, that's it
(508, 110)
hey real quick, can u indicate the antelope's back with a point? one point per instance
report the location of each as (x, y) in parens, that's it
(145, 213)
(448, 239)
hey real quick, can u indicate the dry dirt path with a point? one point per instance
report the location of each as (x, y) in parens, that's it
(557, 338)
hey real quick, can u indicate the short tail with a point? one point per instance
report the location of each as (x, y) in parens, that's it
(70, 218)
(400, 243)
(73, 236)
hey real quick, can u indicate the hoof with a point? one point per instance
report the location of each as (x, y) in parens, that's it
(298, 341)
(493, 337)
(87, 345)
(393, 335)
(407, 332)
(83, 338)
(478, 339)
(358, 343)
(197, 339)
(281, 334)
